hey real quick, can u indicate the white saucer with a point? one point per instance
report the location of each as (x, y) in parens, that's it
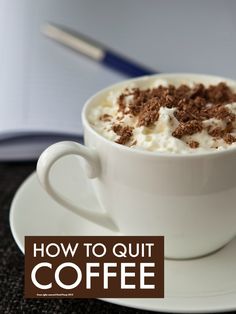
(201, 285)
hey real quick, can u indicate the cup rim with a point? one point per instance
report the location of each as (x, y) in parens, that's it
(146, 153)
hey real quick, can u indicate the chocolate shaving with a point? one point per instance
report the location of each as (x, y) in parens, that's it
(149, 114)
(229, 138)
(193, 144)
(105, 117)
(220, 132)
(188, 128)
(216, 132)
(221, 112)
(220, 93)
(193, 105)
(125, 133)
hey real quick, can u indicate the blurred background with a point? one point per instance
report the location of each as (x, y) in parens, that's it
(43, 85)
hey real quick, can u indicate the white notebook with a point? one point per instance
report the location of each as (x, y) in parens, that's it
(43, 85)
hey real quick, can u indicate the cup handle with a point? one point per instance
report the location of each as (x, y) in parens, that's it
(62, 149)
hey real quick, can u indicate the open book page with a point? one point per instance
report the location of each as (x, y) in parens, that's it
(43, 85)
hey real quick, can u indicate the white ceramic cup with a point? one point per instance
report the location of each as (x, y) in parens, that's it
(190, 199)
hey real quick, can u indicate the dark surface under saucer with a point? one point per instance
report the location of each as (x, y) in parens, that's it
(12, 261)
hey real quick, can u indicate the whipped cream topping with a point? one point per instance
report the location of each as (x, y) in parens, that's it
(159, 136)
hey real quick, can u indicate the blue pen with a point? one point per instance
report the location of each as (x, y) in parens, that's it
(95, 51)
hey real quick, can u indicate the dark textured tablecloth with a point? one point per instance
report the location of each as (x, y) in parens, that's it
(12, 261)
